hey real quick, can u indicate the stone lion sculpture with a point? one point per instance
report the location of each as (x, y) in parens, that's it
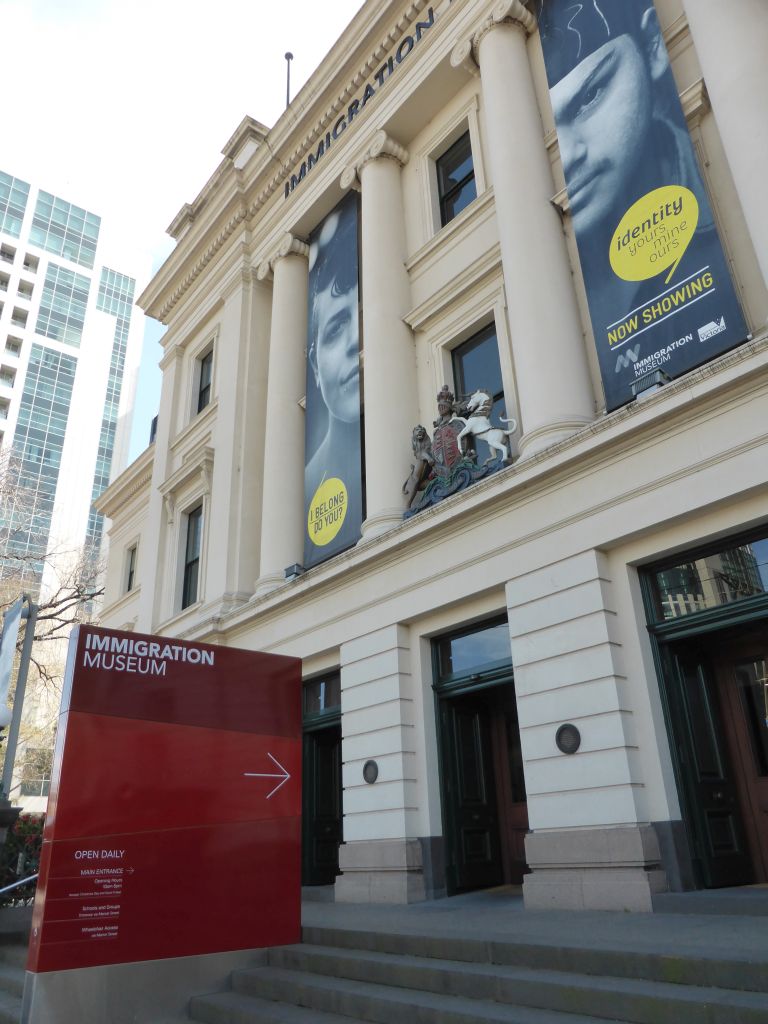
(425, 460)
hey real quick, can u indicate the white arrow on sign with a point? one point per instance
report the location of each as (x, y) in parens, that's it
(283, 775)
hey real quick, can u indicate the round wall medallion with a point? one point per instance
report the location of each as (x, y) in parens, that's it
(370, 772)
(568, 738)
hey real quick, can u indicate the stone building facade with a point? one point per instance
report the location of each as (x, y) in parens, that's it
(610, 577)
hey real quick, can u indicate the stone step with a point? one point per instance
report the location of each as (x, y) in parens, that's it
(382, 1004)
(10, 1008)
(12, 979)
(14, 954)
(236, 1008)
(711, 967)
(641, 1002)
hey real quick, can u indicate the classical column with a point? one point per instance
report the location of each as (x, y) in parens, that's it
(731, 41)
(282, 515)
(389, 354)
(553, 384)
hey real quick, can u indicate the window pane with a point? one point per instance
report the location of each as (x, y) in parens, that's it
(458, 200)
(192, 557)
(322, 694)
(710, 581)
(485, 648)
(204, 390)
(476, 365)
(454, 165)
(455, 179)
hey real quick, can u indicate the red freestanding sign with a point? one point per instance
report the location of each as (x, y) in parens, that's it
(174, 820)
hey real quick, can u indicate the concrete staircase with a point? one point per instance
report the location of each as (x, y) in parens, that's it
(14, 940)
(13, 959)
(338, 975)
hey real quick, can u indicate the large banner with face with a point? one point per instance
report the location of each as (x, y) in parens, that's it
(659, 291)
(333, 484)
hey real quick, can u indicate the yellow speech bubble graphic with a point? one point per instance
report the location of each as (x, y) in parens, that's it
(654, 233)
(327, 511)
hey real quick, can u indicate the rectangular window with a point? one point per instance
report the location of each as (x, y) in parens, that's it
(25, 517)
(710, 580)
(115, 296)
(130, 568)
(66, 230)
(322, 695)
(192, 556)
(14, 194)
(455, 179)
(63, 305)
(476, 366)
(204, 386)
(473, 651)
(36, 772)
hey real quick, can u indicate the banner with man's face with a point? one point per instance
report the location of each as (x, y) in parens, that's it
(333, 479)
(659, 291)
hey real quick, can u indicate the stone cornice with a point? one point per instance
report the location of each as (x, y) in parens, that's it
(200, 264)
(156, 300)
(605, 440)
(132, 480)
(198, 463)
(248, 131)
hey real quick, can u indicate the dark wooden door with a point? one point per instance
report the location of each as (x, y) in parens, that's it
(741, 670)
(472, 832)
(322, 795)
(510, 781)
(486, 813)
(711, 790)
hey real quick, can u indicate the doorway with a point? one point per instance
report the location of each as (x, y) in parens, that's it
(718, 700)
(321, 798)
(486, 814)
(321, 781)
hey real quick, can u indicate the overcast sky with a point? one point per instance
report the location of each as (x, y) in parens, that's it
(123, 108)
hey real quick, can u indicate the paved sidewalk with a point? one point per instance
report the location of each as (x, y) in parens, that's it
(499, 915)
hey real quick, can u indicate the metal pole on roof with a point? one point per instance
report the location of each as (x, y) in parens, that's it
(288, 59)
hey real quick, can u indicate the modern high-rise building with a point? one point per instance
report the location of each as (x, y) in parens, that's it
(70, 342)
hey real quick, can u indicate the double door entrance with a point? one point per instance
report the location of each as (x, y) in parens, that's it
(484, 803)
(717, 690)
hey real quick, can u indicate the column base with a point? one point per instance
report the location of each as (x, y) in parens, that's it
(268, 582)
(538, 440)
(593, 869)
(388, 871)
(381, 522)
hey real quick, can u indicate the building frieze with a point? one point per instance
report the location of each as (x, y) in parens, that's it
(269, 150)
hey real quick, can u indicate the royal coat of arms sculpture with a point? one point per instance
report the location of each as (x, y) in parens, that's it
(447, 462)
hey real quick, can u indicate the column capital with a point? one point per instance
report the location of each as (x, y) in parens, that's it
(504, 12)
(382, 146)
(289, 245)
(350, 178)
